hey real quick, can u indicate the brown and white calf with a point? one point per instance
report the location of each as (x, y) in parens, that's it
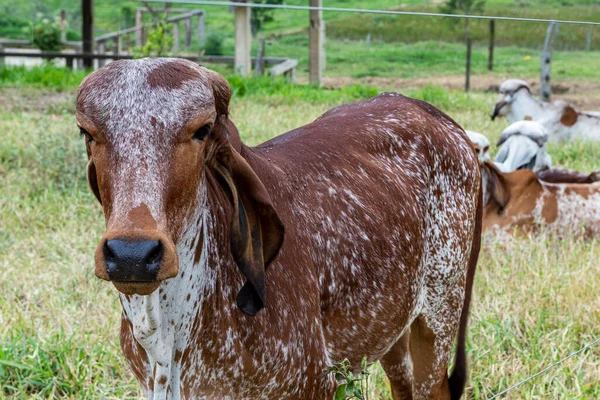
(379, 200)
(520, 202)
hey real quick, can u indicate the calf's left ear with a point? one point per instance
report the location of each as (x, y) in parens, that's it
(256, 232)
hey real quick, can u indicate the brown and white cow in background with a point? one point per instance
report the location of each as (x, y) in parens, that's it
(379, 200)
(562, 120)
(520, 202)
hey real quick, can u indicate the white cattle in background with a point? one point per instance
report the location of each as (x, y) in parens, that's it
(522, 145)
(562, 120)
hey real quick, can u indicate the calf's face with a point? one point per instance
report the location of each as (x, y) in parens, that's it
(152, 127)
(144, 125)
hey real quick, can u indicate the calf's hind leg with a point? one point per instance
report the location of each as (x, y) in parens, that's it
(430, 350)
(417, 364)
(397, 365)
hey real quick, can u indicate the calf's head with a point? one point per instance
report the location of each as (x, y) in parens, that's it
(154, 129)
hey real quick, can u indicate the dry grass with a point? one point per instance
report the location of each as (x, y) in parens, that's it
(535, 300)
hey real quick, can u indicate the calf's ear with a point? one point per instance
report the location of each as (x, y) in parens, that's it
(499, 190)
(256, 232)
(93, 180)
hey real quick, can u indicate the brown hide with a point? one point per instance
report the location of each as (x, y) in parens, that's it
(562, 175)
(569, 116)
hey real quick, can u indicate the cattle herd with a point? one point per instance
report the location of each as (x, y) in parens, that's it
(523, 192)
(245, 272)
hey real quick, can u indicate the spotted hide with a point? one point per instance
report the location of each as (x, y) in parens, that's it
(522, 202)
(378, 200)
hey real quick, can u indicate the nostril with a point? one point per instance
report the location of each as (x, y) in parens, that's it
(109, 256)
(155, 253)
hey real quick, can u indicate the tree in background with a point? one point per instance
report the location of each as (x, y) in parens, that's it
(46, 35)
(466, 7)
(260, 16)
(159, 42)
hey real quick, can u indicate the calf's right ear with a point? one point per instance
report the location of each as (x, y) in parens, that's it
(93, 180)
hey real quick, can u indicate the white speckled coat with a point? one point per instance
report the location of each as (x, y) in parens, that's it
(379, 201)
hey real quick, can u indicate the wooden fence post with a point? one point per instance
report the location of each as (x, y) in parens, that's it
(317, 44)
(187, 27)
(63, 26)
(200, 29)
(1, 56)
(243, 35)
(259, 63)
(546, 60)
(491, 46)
(101, 50)
(116, 45)
(87, 32)
(175, 32)
(139, 34)
(588, 39)
(468, 72)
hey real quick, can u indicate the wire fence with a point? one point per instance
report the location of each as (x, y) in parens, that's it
(368, 11)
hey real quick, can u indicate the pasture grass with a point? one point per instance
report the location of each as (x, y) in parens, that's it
(535, 300)
(354, 58)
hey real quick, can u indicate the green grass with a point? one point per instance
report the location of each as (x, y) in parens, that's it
(46, 76)
(535, 299)
(409, 29)
(423, 59)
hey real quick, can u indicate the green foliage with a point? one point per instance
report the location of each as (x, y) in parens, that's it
(158, 44)
(260, 16)
(46, 35)
(128, 15)
(351, 386)
(213, 45)
(466, 7)
(281, 91)
(12, 26)
(442, 98)
(45, 76)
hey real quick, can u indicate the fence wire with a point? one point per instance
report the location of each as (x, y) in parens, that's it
(548, 368)
(366, 11)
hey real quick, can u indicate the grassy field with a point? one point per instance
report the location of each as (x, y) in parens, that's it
(535, 299)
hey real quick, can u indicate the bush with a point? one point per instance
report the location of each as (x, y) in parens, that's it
(159, 42)
(214, 44)
(46, 35)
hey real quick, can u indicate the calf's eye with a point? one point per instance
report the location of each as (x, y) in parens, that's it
(86, 134)
(202, 132)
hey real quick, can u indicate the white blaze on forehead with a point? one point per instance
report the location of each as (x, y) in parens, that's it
(140, 117)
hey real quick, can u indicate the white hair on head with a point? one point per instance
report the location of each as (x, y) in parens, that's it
(481, 142)
(510, 85)
(523, 146)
